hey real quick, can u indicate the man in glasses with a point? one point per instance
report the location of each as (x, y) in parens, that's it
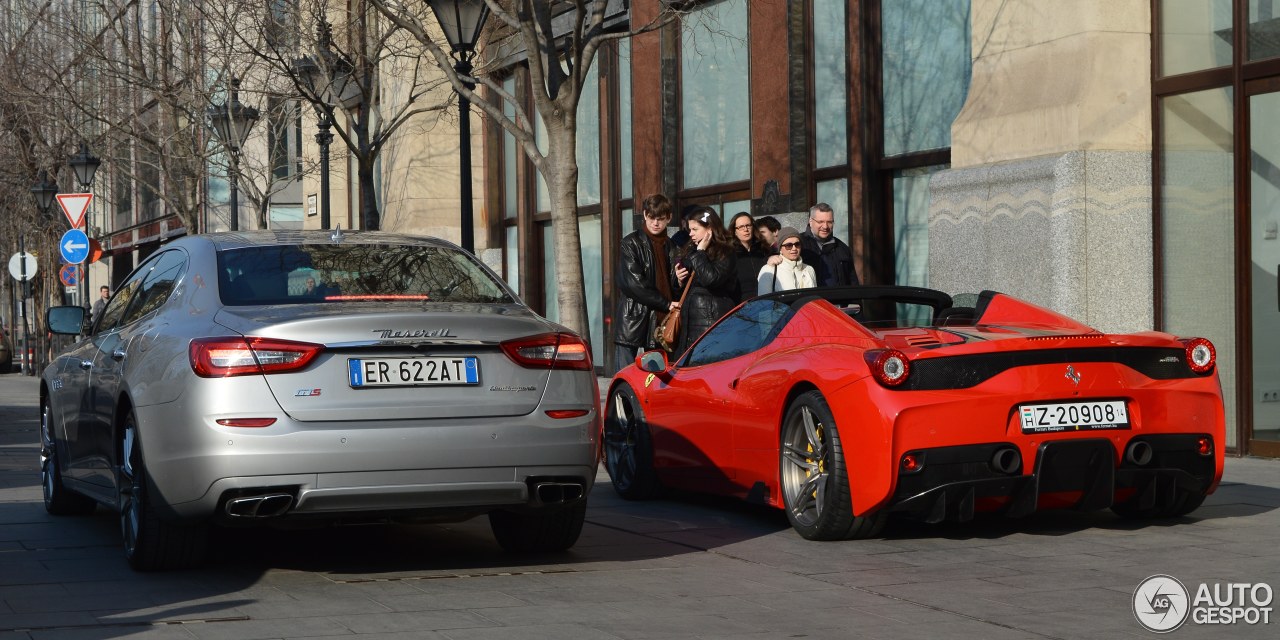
(829, 256)
(645, 257)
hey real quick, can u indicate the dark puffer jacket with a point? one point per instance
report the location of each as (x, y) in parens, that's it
(640, 296)
(713, 294)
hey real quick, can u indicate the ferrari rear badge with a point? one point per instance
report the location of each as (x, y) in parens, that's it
(1073, 376)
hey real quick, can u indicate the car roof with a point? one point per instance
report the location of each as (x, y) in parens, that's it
(269, 238)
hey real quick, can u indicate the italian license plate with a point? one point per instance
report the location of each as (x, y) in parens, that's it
(1073, 416)
(404, 372)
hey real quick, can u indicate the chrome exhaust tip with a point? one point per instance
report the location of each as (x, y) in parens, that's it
(557, 492)
(1139, 453)
(264, 506)
(1006, 460)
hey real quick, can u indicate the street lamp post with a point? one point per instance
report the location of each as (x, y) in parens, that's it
(319, 86)
(85, 165)
(462, 21)
(44, 191)
(231, 122)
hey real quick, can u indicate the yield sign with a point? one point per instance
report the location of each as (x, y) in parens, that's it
(74, 205)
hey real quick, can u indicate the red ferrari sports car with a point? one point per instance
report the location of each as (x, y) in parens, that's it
(845, 405)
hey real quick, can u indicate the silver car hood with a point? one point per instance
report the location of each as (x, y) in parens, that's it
(357, 332)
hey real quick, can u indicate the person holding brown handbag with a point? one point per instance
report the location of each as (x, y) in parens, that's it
(644, 281)
(708, 263)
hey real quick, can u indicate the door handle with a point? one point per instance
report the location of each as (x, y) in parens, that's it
(118, 354)
(86, 364)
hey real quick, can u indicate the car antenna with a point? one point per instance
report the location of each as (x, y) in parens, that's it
(337, 236)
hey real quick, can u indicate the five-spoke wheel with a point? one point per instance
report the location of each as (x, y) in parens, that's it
(628, 448)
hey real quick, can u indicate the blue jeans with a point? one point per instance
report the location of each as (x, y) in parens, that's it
(624, 355)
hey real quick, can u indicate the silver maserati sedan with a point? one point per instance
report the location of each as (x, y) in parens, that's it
(298, 376)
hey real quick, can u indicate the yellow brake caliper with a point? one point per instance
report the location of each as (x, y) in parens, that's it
(822, 464)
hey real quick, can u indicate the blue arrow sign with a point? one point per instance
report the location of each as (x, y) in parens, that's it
(74, 246)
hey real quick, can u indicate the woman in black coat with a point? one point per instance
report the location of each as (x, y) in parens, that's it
(709, 256)
(749, 251)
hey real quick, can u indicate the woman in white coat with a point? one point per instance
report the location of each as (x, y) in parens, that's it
(791, 272)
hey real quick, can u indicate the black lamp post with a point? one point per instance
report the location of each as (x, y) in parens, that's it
(231, 122)
(85, 165)
(313, 77)
(44, 191)
(462, 21)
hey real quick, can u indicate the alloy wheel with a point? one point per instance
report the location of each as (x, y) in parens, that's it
(805, 477)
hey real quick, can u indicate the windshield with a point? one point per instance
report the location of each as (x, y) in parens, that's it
(308, 274)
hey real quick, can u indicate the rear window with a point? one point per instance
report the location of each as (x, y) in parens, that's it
(308, 274)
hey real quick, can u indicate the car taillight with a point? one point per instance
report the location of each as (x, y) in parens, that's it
(889, 367)
(549, 351)
(226, 357)
(1200, 354)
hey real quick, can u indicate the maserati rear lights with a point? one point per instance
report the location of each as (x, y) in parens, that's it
(1007, 460)
(255, 423)
(1200, 354)
(561, 414)
(1204, 446)
(912, 462)
(549, 351)
(226, 357)
(890, 367)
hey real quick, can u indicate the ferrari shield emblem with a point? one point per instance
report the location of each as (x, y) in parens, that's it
(649, 380)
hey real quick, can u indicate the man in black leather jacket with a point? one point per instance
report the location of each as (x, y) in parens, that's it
(830, 257)
(644, 282)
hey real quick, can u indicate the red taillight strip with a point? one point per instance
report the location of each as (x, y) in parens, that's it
(224, 357)
(561, 414)
(549, 351)
(393, 296)
(246, 422)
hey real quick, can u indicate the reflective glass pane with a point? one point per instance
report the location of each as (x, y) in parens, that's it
(624, 117)
(593, 282)
(509, 158)
(1197, 227)
(729, 209)
(836, 194)
(1264, 29)
(1194, 35)
(1264, 232)
(714, 101)
(589, 138)
(628, 222)
(831, 84)
(926, 72)
(512, 255)
(911, 236)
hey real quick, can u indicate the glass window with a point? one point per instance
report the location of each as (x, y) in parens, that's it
(1264, 29)
(353, 273)
(714, 101)
(926, 72)
(160, 276)
(588, 142)
(1264, 234)
(510, 156)
(730, 209)
(513, 257)
(836, 194)
(1197, 200)
(120, 300)
(831, 84)
(282, 216)
(745, 330)
(1194, 35)
(624, 117)
(628, 222)
(593, 281)
(911, 225)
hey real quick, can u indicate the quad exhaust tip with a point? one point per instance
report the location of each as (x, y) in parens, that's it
(1007, 461)
(264, 506)
(1139, 453)
(557, 492)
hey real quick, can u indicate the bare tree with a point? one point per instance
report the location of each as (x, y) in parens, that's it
(561, 40)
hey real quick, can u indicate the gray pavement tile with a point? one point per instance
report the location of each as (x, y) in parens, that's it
(266, 629)
(163, 632)
(415, 621)
(530, 632)
(14, 621)
(947, 573)
(1053, 564)
(310, 607)
(473, 600)
(673, 626)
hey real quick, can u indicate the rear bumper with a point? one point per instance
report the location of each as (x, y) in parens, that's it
(1085, 474)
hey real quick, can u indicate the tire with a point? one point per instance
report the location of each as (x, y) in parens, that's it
(540, 531)
(58, 499)
(151, 543)
(628, 447)
(815, 482)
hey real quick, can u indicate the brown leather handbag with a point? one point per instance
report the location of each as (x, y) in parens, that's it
(668, 331)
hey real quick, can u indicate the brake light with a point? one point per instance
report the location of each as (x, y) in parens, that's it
(1201, 355)
(226, 357)
(253, 423)
(1204, 446)
(889, 367)
(549, 351)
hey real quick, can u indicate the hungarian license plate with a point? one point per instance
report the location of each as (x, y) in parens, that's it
(404, 372)
(1073, 416)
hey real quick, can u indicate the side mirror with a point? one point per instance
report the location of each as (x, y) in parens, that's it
(653, 361)
(65, 320)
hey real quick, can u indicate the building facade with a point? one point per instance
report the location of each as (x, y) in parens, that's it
(1095, 157)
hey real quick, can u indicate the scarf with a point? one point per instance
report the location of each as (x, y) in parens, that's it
(660, 267)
